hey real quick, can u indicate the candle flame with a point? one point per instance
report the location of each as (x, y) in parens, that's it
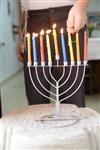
(42, 32)
(48, 31)
(54, 26)
(27, 34)
(62, 31)
(35, 34)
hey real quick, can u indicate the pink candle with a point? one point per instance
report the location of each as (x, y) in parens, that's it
(85, 46)
(42, 47)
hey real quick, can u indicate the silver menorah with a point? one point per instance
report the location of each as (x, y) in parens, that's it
(58, 84)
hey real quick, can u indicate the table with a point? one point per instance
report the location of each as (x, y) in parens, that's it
(23, 129)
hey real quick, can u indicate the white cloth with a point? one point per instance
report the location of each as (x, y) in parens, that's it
(23, 130)
(44, 4)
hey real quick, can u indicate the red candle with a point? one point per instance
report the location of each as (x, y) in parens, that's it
(42, 47)
(85, 45)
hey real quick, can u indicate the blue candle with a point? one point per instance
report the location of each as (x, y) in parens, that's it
(34, 48)
(63, 48)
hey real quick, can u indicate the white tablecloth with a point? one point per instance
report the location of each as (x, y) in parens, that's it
(26, 123)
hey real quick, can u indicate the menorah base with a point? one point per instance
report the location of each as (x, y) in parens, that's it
(63, 120)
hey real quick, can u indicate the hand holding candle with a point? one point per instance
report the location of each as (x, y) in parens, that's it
(42, 48)
(63, 47)
(55, 41)
(29, 48)
(48, 47)
(34, 48)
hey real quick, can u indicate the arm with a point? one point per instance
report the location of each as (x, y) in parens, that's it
(21, 25)
(77, 16)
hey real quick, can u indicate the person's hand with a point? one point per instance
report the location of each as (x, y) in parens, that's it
(76, 18)
(19, 52)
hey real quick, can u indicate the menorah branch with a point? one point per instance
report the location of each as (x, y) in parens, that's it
(37, 76)
(47, 78)
(77, 87)
(67, 77)
(34, 86)
(72, 83)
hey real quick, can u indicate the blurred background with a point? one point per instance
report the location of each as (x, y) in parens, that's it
(11, 73)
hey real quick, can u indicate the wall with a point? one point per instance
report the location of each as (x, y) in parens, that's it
(94, 6)
(9, 64)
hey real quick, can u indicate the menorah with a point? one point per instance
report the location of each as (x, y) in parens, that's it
(57, 86)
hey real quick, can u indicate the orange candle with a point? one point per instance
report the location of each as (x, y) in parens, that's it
(42, 47)
(71, 48)
(55, 41)
(29, 48)
(78, 48)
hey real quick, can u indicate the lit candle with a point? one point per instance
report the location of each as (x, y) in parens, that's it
(42, 47)
(29, 48)
(63, 47)
(85, 46)
(34, 48)
(78, 49)
(55, 41)
(48, 47)
(70, 48)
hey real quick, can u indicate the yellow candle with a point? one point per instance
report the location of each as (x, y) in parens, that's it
(48, 47)
(29, 47)
(70, 47)
(78, 47)
(55, 41)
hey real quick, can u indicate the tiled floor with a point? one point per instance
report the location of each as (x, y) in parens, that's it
(13, 95)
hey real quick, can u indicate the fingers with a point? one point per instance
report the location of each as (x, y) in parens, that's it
(70, 24)
(75, 23)
(71, 28)
(79, 23)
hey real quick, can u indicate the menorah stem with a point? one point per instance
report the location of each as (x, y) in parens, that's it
(57, 91)
(57, 62)
(57, 109)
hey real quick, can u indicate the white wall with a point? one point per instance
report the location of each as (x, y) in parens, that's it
(9, 64)
(94, 6)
